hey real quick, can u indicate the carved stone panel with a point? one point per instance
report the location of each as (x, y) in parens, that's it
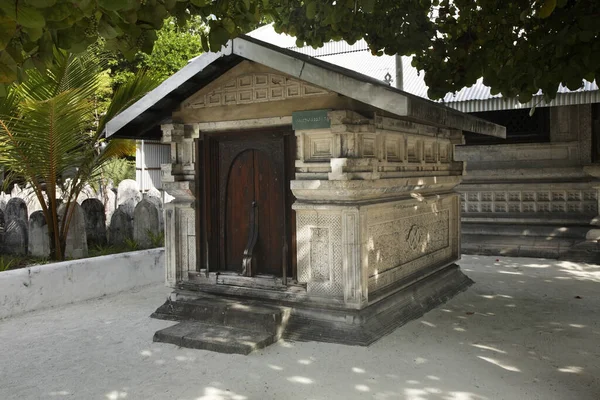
(405, 237)
(319, 241)
(254, 87)
(532, 201)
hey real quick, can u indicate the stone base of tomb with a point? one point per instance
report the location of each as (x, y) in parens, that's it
(234, 319)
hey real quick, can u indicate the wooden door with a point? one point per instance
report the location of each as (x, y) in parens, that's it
(252, 174)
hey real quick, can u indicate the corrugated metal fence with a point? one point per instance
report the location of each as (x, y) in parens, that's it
(148, 158)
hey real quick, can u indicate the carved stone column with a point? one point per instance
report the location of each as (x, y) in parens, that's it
(376, 208)
(178, 179)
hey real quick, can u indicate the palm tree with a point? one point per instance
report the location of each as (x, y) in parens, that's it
(48, 131)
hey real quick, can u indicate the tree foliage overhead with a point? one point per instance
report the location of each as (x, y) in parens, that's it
(175, 45)
(518, 47)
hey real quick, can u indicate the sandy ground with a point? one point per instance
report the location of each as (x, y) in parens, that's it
(528, 329)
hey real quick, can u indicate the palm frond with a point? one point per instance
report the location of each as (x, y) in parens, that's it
(127, 94)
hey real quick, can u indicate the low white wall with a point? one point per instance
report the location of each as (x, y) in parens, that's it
(57, 284)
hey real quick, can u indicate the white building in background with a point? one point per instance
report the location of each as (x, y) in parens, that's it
(149, 156)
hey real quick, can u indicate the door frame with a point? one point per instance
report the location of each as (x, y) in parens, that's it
(207, 200)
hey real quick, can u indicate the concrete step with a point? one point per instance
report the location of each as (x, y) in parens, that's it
(222, 339)
(222, 311)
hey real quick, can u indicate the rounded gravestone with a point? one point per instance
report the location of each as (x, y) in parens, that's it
(147, 223)
(109, 199)
(15, 237)
(76, 246)
(121, 227)
(39, 239)
(128, 191)
(16, 209)
(16, 190)
(31, 199)
(95, 222)
(154, 192)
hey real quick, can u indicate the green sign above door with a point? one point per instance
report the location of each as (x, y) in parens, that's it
(313, 119)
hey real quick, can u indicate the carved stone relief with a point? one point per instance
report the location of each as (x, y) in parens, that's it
(319, 252)
(575, 201)
(401, 239)
(254, 88)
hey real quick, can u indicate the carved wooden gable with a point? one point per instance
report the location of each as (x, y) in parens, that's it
(253, 87)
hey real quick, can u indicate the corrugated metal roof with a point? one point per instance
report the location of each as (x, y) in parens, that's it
(470, 99)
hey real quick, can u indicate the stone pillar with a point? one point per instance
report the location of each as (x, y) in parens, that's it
(179, 180)
(376, 208)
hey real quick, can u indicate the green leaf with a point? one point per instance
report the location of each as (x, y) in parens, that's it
(547, 8)
(8, 68)
(311, 10)
(34, 33)
(41, 3)
(217, 38)
(59, 12)
(524, 97)
(368, 6)
(199, 3)
(7, 30)
(247, 4)
(204, 41)
(229, 25)
(113, 5)
(106, 30)
(29, 17)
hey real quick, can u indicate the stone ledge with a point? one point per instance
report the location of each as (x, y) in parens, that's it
(51, 285)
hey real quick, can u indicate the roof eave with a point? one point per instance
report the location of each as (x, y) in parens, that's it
(163, 90)
(340, 80)
(379, 96)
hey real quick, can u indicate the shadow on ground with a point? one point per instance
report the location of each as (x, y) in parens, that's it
(528, 329)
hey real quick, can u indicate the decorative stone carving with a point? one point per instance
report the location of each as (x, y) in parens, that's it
(319, 238)
(374, 182)
(343, 250)
(178, 180)
(572, 201)
(400, 234)
(254, 88)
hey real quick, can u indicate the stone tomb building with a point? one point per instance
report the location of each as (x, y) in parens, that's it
(310, 202)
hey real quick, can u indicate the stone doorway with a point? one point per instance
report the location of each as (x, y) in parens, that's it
(250, 223)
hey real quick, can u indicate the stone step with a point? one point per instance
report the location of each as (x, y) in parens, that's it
(217, 310)
(222, 339)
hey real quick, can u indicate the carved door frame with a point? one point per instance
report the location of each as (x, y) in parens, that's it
(209, 179)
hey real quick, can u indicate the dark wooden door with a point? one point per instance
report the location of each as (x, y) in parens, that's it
(252, 171)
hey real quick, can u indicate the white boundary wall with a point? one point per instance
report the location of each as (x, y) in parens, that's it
(57, 284)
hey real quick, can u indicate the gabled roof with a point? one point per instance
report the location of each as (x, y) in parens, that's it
(143, 118)
(475, 98)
